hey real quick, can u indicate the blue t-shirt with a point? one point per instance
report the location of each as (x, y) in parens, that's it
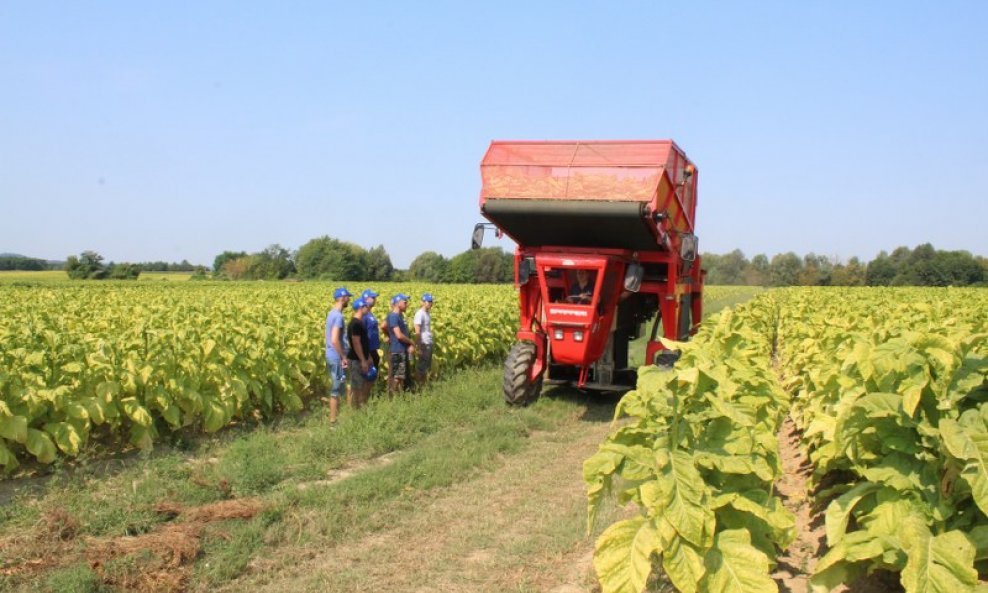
(373, 330)
(334, 319)
(397, 320)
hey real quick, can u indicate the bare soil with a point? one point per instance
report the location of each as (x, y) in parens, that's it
(796, 563)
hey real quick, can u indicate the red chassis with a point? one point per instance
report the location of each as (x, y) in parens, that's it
(605, 241)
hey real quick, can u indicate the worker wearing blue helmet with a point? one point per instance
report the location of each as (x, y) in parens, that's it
(336, 361)
(360, 362)
(402, 347)
(373, 328)
(423, 339)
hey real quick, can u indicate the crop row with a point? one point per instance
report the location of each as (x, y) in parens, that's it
(122, 364)
(889, 387)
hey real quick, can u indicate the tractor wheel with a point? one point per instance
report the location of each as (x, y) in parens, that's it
(518, 390)
(685, 317)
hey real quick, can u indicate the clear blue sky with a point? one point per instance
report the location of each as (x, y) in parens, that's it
(171, 130)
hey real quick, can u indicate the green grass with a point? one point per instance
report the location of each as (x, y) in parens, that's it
(456, 429)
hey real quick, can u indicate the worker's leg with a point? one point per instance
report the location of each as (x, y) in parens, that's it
(336, 388)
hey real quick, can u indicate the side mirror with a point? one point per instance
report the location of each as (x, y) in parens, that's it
(688, 246)
(478, 236)
(633, 277)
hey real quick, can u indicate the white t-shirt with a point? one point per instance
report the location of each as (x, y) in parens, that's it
(424, 322)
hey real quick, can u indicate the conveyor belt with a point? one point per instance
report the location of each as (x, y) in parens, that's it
(575, 223)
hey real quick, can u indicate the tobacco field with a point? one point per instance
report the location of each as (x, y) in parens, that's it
(888, 390)
(120, 365)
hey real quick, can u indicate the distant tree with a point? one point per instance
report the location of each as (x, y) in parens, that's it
(274, 263)
(785, 268)
(880, 271)
(123, 271)
(19, 262)
(816, 271)
(332, 259)
(379, 267)
(850, 274)
(463, 267)
(725, 269)
(89, 265)
(226, 256)
(236, 269)
(494, 265)
(758, 271)
(429, 267)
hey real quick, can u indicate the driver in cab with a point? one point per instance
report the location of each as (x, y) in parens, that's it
(581, 291)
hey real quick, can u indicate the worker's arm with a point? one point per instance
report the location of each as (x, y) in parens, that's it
(418, 329)
(334, 338)
(401, 337)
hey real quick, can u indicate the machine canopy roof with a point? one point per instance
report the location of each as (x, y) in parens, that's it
(614, 171)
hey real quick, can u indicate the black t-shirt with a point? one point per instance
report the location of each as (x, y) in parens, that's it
(357, 330)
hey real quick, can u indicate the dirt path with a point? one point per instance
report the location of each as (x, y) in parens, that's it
(519, 528)
(796, 563)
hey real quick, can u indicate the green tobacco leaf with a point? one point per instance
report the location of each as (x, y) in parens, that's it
(623, 556)
(740, 415)
(970, 446)
(938, 564)
(683, 564)
(14, 428)
(7, 458)
(979, 539)
(839, 510)
(735, 566)
(40, 445)
(214, 415)
(896, 470)
(597, 471)
(686, 510)
(136, 412)
(66, 437)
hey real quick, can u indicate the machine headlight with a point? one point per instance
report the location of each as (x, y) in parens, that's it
(578, 336)
(558, 334)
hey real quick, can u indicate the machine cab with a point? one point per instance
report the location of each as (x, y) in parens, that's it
(579, 295)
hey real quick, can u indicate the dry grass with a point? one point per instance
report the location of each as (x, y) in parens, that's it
(156, 562)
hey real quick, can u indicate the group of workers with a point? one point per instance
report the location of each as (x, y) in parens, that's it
(352, 348)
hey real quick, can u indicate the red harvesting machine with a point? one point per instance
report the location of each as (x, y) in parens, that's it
(605, 241)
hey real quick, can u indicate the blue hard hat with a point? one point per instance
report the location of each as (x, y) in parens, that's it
(427, 297)
(371, 373)
(359, 303)
(368, 294)
(399, 297)
(341, 292)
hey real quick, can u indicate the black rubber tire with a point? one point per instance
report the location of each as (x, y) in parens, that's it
(518, 390)
(534, 391)
(685, 317)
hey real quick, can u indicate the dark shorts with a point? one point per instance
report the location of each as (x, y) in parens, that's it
(398, 367)
(424, 360)
(356, 379)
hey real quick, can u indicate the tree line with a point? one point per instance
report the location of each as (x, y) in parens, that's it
(922, 266)
(326, 258)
